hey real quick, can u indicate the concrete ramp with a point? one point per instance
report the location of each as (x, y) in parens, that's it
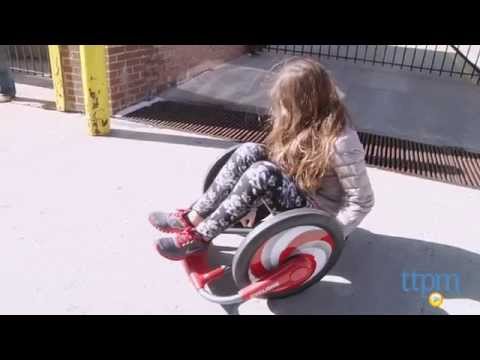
(385, 101)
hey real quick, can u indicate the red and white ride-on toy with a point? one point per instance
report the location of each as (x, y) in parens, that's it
(281, 255)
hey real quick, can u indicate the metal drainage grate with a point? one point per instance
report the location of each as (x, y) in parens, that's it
(200, 119)
(445, 164)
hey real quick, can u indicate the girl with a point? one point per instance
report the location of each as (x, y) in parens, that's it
(311, 158)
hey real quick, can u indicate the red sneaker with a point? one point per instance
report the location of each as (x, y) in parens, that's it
(170, 222)
(180, 245)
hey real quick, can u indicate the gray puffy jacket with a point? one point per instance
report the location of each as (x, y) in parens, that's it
(346, 192)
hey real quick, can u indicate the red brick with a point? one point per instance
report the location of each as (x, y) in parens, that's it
(75, 61)
(138, 68)
(114, 74)
(136, 83)
(117, 96)
(125, 56)
(133, 62)
(143, 53)
(112, 59)
(134, 76)
(115, 66)
(115, 50)
(67, 68)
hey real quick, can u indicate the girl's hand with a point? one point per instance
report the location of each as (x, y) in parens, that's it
(249, 219)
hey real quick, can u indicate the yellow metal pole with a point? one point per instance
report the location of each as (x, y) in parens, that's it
(57, 76)
(95, 88)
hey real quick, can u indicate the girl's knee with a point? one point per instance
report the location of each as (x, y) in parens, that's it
(252, 145)
(265, 168)
(265, 165)
(251, 149)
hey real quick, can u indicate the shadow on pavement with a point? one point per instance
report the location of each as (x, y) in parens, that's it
(47, 105)
(171, 139)
(370, 270)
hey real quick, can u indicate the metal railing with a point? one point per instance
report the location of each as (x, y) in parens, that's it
(459, 61)
(30, 59)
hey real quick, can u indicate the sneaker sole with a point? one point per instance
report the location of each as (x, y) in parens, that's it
(173, 258)
(168, 230)
(166, 256)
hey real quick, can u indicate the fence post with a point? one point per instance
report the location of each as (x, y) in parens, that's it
(57, 75)
(95, 88)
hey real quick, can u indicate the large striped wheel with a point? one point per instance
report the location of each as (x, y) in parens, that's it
(301, 231)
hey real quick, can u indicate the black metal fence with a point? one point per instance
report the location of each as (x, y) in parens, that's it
(460, 61)
(30, 59)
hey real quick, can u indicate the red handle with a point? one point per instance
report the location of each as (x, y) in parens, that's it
(198, 271)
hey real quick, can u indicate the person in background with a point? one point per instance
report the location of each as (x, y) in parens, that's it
(7, 84)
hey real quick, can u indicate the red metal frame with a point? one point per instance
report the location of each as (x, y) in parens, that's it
(289, 275)
(199, 271)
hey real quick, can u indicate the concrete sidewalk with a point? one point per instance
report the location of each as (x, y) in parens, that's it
(74, 238)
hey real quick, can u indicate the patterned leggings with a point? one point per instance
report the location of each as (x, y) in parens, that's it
(244, 181)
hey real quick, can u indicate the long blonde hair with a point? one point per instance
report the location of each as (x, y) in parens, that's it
(307, 117)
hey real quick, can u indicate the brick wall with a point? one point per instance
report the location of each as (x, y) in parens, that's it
(139, 72)
(128, 73)
(72, 78)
